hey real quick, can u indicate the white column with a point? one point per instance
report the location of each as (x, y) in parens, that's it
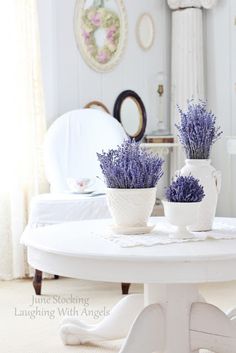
(187, 61)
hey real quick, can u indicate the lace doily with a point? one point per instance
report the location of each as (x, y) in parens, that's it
(161, 235)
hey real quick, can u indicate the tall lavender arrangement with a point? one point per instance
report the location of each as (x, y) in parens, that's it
(185, 189)
(197, 130)
(130, 167)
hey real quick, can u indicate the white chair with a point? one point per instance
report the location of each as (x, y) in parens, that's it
(70, 151)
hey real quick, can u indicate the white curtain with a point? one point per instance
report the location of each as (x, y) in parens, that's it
(22, 127)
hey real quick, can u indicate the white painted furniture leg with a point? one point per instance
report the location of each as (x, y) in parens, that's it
(147, 334)
(174, 320)
(232, 314)
(212, 329)
(163, 327)
(114, 326)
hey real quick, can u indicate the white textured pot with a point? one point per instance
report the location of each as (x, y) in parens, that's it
(210, 179)
(131, 208)
(181, 215)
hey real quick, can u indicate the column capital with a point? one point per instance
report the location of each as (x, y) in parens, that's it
(178, 4)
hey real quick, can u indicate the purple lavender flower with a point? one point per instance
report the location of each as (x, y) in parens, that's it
(185, 189)
(197, 130)
(130, 167)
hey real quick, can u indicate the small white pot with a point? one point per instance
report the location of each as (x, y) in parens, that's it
(131, 208)
(181, 215)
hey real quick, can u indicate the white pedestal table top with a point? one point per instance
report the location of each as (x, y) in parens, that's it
(75, 249)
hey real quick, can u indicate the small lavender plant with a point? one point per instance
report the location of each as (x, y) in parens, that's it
(130, 167)
(185, 189)
(197, 130)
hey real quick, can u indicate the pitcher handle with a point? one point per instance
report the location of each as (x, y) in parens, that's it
(217, 177)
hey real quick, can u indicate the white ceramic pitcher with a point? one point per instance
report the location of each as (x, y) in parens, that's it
(210, 179)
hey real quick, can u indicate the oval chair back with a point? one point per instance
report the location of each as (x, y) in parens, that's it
(72, 142)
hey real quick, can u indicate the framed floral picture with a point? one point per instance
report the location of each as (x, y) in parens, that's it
(100, 28)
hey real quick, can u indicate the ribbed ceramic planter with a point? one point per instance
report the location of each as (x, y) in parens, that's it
(181, 215)
(210, 179)
(131, 208)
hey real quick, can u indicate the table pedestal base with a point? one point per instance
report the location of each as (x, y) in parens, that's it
(115, 326)
(168, 319)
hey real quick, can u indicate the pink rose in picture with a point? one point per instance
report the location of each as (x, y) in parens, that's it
(96, 19)
(102, 57)
(86, 35)
(110, 33)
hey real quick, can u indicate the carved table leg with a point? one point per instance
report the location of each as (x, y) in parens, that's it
(114, 326)
(175, 320)
(212, 329)
(232, 314)
(37, 281)
(147, 334)
(125, 288)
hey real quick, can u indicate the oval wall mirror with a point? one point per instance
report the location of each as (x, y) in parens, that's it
(130, 111)
(97, 105)
(100, 28)
(145, 31)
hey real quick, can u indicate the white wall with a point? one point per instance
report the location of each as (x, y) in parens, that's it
(220, 48)
(49, 55)
(69, 83)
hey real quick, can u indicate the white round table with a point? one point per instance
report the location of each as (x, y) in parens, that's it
(171, 317)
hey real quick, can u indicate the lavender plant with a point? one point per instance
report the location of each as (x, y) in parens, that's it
(185, 189)
(130, 167)
(197, 130)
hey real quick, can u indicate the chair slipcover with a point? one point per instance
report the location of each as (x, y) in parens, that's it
(72, 143)
(70, 150)
(48, 209)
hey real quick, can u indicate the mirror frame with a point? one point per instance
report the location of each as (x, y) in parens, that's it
(117, 110)
(98, 104)
(145, 14)
(88, 58)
